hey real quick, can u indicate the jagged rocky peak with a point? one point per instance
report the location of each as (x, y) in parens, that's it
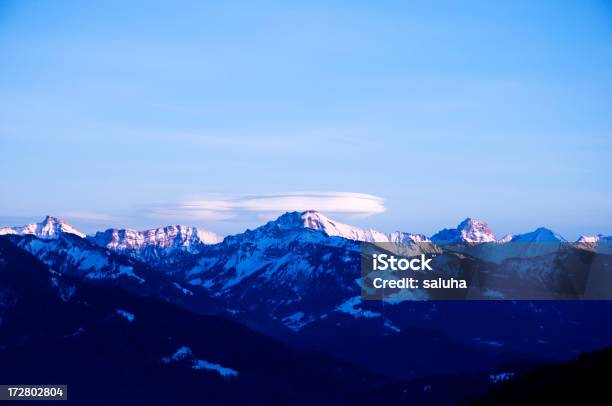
(541, 234)
(168, 237)
(469, 230)
(49, 228)
(476, 231)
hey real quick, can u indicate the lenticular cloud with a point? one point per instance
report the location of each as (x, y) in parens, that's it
(359, 204)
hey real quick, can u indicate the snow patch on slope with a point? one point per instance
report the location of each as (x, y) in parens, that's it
(126, 315)
(184, 353)
(351, 307)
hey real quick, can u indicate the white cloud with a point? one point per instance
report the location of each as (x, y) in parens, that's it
(239, 207)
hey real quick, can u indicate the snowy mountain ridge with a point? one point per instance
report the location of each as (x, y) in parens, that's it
(170, 237)
(296, 270)
(316, 221)
(190, 239)
(159, 246)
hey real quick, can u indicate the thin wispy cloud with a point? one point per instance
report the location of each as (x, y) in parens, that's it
(240, 207)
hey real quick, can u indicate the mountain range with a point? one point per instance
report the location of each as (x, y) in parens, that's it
(297, 280)
(61, 328)
(166, 239)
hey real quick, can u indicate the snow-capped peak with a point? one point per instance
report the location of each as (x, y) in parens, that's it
(594, 238)
(469, 230)
(170, 237)
(314, 220)
(541, 234)
(49, 228)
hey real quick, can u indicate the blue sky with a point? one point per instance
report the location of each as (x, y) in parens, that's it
(406, 115)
